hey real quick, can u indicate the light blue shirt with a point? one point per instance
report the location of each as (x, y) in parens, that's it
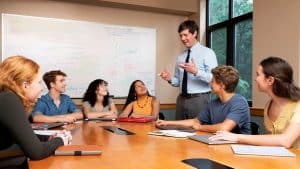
(205, 60)
(46, 106)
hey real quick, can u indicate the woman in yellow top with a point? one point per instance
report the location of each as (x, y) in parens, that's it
(139, 102)
(274, 76)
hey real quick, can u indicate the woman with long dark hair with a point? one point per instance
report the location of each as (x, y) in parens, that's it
(274, 76)
(96, 101)
(139, 102)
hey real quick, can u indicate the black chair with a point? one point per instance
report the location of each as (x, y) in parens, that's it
(254, 128)
(30, 118)
(161, 116)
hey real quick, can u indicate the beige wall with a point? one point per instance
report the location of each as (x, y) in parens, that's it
(275, 32)
(275, 27)
(166, 23)
(176, 5)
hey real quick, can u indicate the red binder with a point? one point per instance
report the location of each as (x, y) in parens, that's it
(135, 119)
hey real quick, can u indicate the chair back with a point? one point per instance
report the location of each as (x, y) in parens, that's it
(254, 128)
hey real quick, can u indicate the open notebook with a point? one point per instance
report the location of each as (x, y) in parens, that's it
(205, 139)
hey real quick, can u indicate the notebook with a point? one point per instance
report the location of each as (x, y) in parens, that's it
(262, 150)
(135, 119)
(205, 139)
(77, 150)
(46, 126)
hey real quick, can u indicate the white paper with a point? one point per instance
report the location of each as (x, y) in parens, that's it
(171, 133)
(47, 132)
(262, 150)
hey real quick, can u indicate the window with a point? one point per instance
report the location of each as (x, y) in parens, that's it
(229, 34)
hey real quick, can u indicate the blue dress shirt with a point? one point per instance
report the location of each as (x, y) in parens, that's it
(46, 106)
(205, 60)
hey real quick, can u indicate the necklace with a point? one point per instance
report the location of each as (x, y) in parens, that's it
(143, 105)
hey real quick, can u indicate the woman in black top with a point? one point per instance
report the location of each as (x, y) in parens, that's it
(20, 86)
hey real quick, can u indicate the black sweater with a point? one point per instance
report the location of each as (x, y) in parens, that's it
(15, 129)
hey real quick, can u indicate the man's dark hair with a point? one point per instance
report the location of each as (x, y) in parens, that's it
(190, 25)
(51, 77)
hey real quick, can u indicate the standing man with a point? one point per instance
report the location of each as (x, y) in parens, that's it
(192, 73)
(56, 106)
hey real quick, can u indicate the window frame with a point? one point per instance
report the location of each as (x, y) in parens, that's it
(230, 27)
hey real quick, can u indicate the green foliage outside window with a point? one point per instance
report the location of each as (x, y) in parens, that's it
(241, 57)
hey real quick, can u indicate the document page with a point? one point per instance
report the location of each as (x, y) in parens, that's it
(171, 133)
(262, 150)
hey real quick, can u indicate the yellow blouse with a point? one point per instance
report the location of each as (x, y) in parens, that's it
(289, 114)
(143, 106)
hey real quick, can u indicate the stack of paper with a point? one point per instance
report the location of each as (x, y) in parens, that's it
(171, 133)
(262, 150)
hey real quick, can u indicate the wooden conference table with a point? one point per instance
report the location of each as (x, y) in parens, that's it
(142, 151)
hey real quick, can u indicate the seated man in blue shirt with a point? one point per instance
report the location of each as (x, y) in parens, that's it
(55, 106)
(229, 111)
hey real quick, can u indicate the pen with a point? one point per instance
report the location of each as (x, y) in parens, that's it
(130, 114)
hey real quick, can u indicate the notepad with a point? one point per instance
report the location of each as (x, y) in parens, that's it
(262, 150)
(77, 150)
(171, 133)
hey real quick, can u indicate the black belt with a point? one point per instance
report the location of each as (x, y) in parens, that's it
(191, 95)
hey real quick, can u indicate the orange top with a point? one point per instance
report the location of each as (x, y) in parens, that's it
(143, 106)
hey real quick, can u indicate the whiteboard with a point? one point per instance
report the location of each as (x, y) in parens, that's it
(84, 51)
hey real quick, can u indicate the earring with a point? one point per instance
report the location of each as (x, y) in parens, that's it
(25, 84)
